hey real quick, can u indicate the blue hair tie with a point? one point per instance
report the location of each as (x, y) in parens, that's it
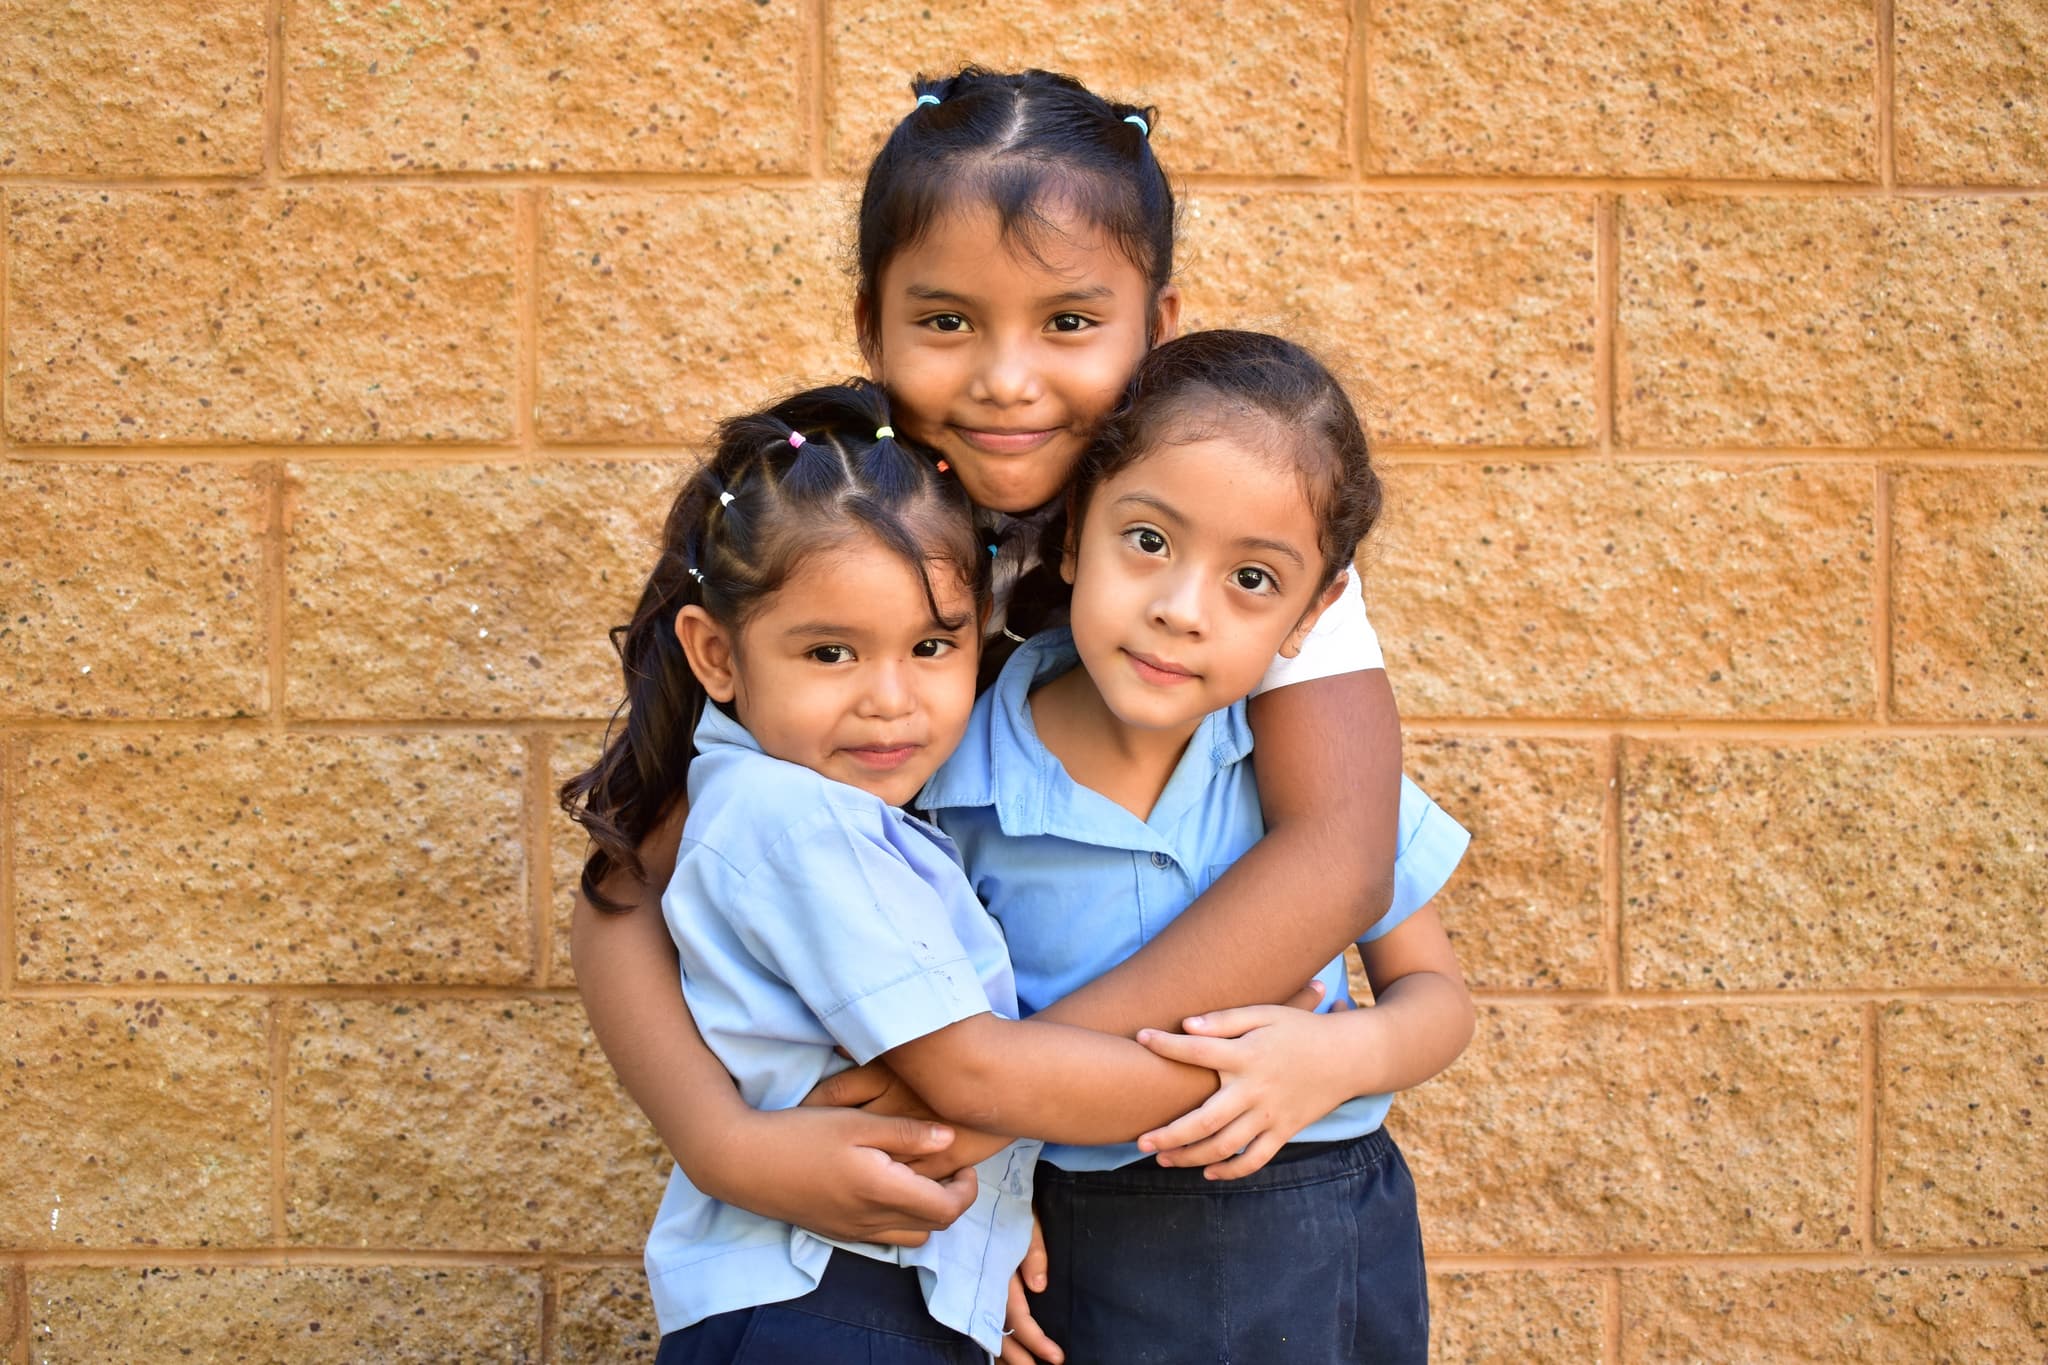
(922, 101)
(1143, 127)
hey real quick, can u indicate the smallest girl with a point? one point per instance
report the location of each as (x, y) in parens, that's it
(801, 660)
(1105, 780)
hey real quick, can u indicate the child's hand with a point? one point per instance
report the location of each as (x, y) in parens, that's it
(879, 1090)
(1024, 1341)
(1273, 1062)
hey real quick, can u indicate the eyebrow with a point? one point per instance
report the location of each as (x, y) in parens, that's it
(1166, 512)
(926, 293)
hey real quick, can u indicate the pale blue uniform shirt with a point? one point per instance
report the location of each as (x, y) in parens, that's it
(1079, 883)
(810, 915)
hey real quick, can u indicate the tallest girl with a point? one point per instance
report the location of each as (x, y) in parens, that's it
(1015, 262)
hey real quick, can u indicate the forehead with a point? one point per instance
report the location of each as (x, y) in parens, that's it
(1051, 244)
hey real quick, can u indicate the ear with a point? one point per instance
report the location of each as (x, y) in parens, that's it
(708, 647)
(1166, 315)
(1291, 646)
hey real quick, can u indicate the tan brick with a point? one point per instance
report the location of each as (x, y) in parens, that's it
(661, 313)
(474, 86)
(271, 858)
(1597, 1129)
(308, 315)
(139, 1122)
(1528, 589)
(1853, 863)
(465, 590)
(162, 89)
(1524, 908)
(461, 1125)
(1482, 1316)
(1771, 89)
(1923, 1313)
(1970, 94)
(603, 1314)
(1243, 87)
(1962, 1089)
(567, 848)
(1970, 594)
(132, 590)
(1845, 321)
(1462, 319)
(302, 1313)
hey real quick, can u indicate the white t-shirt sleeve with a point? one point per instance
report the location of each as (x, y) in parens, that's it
(1342, 641)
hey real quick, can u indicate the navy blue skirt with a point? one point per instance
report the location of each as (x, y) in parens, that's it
(864, 1312)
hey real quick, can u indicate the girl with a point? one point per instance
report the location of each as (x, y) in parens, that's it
(1015, 264)
(1104, 780)
(821, 586)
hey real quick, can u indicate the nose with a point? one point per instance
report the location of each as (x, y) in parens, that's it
(888, 693)
(1006, 375)
(1181, 603)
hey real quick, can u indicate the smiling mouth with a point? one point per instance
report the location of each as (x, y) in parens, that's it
(1006, 442)
(1158, 671)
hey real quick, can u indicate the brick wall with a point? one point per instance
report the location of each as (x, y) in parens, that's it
(352, 352)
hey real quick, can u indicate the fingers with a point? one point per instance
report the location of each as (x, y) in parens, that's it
(1236, 1022)
(907, 1201)
(900, 1138)
(1250, 1159)
(1215, 1113)
(1307, 998)
(1032, 1270)
(851, 1088)
(1232, 1138)
(1214, 1054)
(1022, 1332)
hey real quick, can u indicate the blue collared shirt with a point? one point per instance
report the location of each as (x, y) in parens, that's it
(1079, 883)
(810, 915)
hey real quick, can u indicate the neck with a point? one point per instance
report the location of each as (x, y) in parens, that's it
(1128, 765)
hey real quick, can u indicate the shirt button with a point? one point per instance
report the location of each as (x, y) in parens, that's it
(1161, 860)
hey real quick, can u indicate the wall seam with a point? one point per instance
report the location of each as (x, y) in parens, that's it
(550, 1307)
(276, 598)
(1607, 320)
(6, 342)
(17, 1284)
(526, 271)
(1611, 1314)
(273, 94)
(1611, 870)
(1886, 20)
(10, 800)
(1866, 1135)
(818, 102)
(1881, 591)
(274, 1025)
(539, 859)
(1358, 86)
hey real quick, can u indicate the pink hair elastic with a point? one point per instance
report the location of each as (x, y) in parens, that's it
(796, 440)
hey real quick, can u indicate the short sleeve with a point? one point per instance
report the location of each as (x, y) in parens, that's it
(1342, 641)
(1428, 848)
(864, 938)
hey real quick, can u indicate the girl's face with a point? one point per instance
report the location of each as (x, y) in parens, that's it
(845, 671)
(1192, 568)
(1005, 363)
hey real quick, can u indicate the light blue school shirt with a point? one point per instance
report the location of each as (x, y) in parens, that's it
(1079, 883)
(810, 915)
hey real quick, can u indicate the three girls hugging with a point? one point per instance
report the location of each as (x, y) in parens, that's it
(1009, 723)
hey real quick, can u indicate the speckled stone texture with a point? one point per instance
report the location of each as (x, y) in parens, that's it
(315, 1314)
(306, 315)
(466, 590)
(1949, 1314)
(1538, 1317)
(1962, 1096)
(1764, 90)
(662, 312)
(567, 848)
(485, 1125)
(132, 590)
(1593, 1129)
(271, 858)
(603, 1314)
(10, 1333)
(1861, 863)
(1398, 288)
(1851, 321)
(138, 1122)
(172, 88)
(1523, 910)
(1626, 589)
(1971, 94)
(473, 86)
(1242, 87)
(1970, 594)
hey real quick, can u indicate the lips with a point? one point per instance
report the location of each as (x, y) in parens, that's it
(1157, 671)
(882, 758)
(1005, 442)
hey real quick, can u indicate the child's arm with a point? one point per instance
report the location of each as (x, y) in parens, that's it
(1283, 1069)
(833, 1171)
(1328, 758)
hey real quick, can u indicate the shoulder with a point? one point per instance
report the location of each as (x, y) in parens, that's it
(750, 809)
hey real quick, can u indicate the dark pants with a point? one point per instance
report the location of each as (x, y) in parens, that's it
(1315, 1259)
(864, 1312)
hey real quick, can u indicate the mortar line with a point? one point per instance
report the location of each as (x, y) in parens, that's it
(538, 831)
(6, 370)
(526, 268)
(1866, 1137)
(550, 1306)
(464, 993)
(277, 602)
(278, 1059)
(1610, 1316)
(1606, 320)
(273, 94)
(1358, 85)
(1669, 997)
(1881, 591)
(2019, 1259)
(10, 799)
(1610, 870)
(817, 90)
(1886, 19)
(17, 1284)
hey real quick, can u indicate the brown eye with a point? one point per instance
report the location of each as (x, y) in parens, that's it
(830, 654)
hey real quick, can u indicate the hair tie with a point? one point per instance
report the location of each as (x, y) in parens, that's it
(943, 466)
(884, 433)
(922, 101)
(796, 440)
(725, 499)
(1143, 127)
(697, 574)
